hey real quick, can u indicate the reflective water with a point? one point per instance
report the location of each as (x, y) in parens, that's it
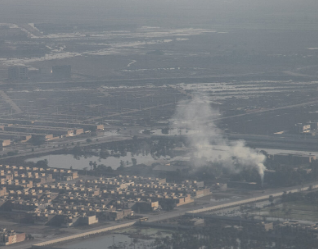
(104, 242)
(66, 161)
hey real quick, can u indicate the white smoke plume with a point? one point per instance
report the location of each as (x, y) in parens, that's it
(208, 142)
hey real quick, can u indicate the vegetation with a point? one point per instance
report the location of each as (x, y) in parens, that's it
(37, 140)
(311, 197)
(39, 164)
(244, 237)
(157, 147)
(122, 166)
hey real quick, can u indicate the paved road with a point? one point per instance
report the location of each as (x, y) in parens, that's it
(13, 105)
(129, 112)
(49, 148)
(178, 212)
(185, 209)
(25, 150)
(269, 109)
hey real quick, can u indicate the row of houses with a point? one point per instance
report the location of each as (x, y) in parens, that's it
(46, 195)
(9, 237)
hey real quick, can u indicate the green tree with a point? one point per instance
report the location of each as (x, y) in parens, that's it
(122, 165)
(42, 164)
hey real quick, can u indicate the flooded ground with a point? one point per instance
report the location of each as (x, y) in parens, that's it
(304, 213)
(108, 241)
(66, 161)
(295, 210)
(132, 237)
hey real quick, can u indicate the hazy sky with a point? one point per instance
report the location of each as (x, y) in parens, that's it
(150, 12)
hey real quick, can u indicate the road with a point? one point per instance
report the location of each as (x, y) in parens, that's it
(68, 143)
(190, 209)
(220, 205)
(128, 112)
(13, 105)
(269, 109)
(56, 146)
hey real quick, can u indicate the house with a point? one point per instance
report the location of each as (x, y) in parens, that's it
(10, 237)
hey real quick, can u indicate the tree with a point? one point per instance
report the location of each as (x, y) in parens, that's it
(104, 154)
(42, 164)
(37, 140)
(122, 165)
(105, 168)
(92, 164)
(134, 161)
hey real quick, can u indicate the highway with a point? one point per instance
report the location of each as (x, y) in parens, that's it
(71, 142)
(269, 109)
(65, 144)
(181, 211)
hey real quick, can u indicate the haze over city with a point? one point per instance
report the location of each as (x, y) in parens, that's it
(158, 124)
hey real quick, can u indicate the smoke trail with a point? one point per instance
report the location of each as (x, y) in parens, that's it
(208, 141)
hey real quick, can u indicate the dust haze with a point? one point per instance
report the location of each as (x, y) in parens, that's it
(162, 13)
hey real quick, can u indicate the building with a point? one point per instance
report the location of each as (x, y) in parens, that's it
(145, 206)
(202, 192)
(3, 191)
(313, 125)
(268, 226)
(62, 71)
(10, 237)
(302, 128)
(294, 159)
(184, 200)
(89, 220)
(34, 193)
(78, 131)
(5, 142)
(17, 73)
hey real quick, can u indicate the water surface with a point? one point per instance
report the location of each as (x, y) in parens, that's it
(66, 161)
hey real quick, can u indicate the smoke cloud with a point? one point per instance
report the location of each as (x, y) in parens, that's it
(197, 118)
